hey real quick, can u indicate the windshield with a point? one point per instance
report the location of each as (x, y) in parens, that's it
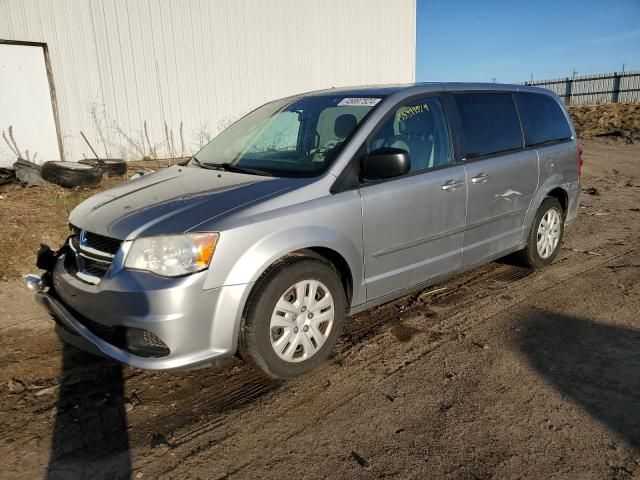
(297, 137)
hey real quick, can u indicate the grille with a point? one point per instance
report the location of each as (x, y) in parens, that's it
(102, 243)
(93, 267)
(152, 340)
(85, 259)
(145, 343)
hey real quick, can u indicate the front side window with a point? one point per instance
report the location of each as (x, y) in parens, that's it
(297, 137)
(542, 118)
(419, 128)
(489, 123)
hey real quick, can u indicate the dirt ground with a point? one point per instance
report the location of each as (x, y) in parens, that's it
(507, 373)
(620, 120)
(34, 215)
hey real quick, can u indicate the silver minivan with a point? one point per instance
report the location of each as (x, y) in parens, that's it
(308, 210)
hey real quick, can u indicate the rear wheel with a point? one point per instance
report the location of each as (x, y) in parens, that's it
(545, 237)
(294, 317)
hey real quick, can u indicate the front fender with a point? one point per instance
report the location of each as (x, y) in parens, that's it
(261, 255)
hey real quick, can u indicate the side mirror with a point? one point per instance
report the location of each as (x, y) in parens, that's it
(384, 163)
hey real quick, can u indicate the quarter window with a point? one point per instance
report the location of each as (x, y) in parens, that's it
(542, 118)
(419, 128)
(489, 123)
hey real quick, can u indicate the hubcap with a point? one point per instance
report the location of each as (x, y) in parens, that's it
(549, 233)
(301, 320)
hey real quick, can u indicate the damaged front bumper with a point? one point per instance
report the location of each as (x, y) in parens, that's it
(141, 319)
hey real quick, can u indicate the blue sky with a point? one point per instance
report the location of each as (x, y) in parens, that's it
(477, 40)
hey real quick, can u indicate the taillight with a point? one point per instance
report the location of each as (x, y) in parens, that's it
(580, 160)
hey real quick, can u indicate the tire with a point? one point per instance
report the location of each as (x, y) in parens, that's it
(259, 338)
(531, 256)
(113, 167)
(71, 174)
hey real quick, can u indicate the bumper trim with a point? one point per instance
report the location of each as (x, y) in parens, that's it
(69, 322)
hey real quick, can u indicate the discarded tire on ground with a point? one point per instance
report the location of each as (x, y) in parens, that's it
(110, 166)
(71, 174)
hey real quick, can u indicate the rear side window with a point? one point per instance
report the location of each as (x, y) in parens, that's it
(489, 123)
(542, 118)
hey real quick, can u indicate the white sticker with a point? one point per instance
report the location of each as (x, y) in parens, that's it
(359, 101)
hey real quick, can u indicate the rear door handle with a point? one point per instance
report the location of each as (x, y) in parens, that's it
(452, 184)
(481, 177)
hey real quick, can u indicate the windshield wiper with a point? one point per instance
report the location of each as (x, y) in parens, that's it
(234, 168)
(228, 167)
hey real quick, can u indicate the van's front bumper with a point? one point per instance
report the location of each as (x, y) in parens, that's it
(197, 325)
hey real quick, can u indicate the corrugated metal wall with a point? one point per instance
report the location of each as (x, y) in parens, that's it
(600, 88)
(201, 63)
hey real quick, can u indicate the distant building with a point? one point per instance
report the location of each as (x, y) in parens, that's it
(185, 68)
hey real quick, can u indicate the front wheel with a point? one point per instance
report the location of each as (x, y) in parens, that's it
(294, 317)
(545, 237)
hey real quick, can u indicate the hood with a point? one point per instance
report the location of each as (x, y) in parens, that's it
(174, 200)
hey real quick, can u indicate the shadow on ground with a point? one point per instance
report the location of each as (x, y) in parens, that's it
(90, 438)
(597, 366)
(90, 435)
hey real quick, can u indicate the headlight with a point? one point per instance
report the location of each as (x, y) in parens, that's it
(172, 255)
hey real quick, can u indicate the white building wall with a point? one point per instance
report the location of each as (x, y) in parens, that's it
(118, 63)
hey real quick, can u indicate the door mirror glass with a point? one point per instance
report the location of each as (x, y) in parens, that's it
(386, 162)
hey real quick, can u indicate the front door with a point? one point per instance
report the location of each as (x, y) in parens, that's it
(413, 225)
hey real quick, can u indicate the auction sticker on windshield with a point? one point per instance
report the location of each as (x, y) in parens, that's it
(361, 101)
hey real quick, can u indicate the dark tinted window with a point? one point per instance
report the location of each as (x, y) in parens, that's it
(489, 121)
(542, 118)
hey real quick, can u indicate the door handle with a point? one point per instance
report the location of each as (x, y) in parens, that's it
(452, 185)
(481, 177)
